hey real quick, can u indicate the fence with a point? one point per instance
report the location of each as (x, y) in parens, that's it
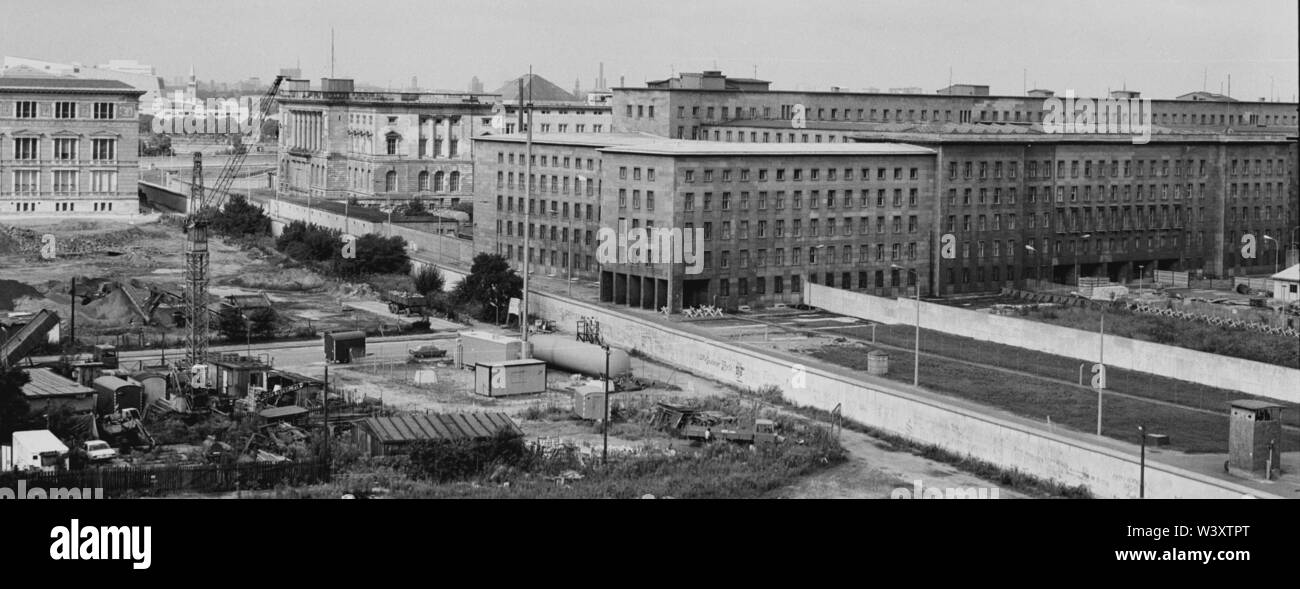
(161, 480)
(1171, 278)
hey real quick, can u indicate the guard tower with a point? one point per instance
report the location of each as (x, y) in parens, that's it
(1254, 436)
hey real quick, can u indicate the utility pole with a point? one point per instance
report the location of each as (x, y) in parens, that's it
(604, 453)
(1142, 476)
(525, 351)
(1101, 370)
(72, 323)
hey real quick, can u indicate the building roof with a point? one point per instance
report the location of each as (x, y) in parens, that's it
(1254, 404)
(1291, 274)
(280, 412)
(687, 147)
(61, 84)
(578, 139)
(527, 362)
(536, 88)
(40, 440)
(438, 426)
(45, 383)
(1201, 95)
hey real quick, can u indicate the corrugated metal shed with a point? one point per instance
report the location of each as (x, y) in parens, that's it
(450, 426)
(45, 383)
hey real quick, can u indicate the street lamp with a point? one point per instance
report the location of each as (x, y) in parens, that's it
(604, 453)
(1276, 246)
(1158, 440)
(1141, 275)
(248, 333)
(1038, 265)
(916, 354)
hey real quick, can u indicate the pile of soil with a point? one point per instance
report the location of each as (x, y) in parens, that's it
(12, 290)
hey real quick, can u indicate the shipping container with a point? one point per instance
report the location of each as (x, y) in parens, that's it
(482, 347)
(38, 450)
(510, 377)
(114, 393)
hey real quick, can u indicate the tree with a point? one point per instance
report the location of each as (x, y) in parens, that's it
(465, 207)
(239, 217)
(415, 208)
(377, 254)
(309, 243)
(270, 129)
(429, 281)
(233, 326)
(13, 404)
(491, 282)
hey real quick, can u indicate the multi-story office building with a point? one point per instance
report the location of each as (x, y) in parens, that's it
(565, 208)
(771, 216)
(68, 146)
(1018, 203)
(379, 147)
(680, 110)
(559, 117)
(768, 216)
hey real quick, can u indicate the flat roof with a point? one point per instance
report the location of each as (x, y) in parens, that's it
(286, 411)
(438, 426)
(57, 84)
(1060, 95)
(995, 137)
(690, 147)
(41, 440)
(1254, 404)
(527, 362)
(578, 139)
(45, 383)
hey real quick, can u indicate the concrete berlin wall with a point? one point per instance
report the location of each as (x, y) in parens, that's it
(1247, 376)
(1108, 470)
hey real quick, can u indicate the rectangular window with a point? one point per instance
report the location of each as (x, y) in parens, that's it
(25, 109)
(65, 110)
(65, 149)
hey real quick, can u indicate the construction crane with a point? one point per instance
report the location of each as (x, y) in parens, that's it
(196, 242)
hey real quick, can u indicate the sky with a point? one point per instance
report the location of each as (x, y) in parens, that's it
(1161, 47)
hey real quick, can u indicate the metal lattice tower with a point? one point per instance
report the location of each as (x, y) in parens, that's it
(196, 272)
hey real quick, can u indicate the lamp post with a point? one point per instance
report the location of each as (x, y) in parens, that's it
(604, 453)
(916, 353)
(1141, 275)
(248, 334)
(1038, 265)
(1276, 246)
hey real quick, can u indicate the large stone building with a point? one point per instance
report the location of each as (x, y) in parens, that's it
(68, 146)
(378, 147)
(972, 191)
(769, 216)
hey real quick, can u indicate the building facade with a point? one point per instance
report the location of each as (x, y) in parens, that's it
(379, 147)
(68, 146)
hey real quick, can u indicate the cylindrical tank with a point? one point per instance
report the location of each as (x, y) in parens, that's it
(566, 353)
(877, 362)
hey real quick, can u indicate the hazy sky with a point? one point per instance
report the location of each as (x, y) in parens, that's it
(1161, 47)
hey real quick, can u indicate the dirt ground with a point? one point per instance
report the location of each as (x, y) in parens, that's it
(142, 252)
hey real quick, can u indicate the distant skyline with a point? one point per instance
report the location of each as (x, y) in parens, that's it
(1162, 48)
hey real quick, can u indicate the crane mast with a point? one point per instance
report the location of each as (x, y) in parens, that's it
(196, 240)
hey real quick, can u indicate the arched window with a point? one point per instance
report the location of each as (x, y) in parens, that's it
(454, 185)
(437, 181)
(424, 180)
(390, 181)
(393, 139)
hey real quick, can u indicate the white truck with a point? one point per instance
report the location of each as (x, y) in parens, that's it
(38, 450)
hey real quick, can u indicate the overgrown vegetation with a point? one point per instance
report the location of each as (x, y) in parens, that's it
(1237, 343)
(375, 254)
(254, 324)
(486, 292)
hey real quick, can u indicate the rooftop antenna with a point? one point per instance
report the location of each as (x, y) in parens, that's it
(1024, 82)
(1205, 79)
(755, 71)
(1229, 94)
(950, 78)
(332, 52)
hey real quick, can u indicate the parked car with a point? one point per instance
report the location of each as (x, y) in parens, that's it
(428, 351)
(99, 451)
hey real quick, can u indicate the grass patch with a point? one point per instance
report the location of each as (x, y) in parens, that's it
(1006, 478)
(1065, 404)
(1236, 343)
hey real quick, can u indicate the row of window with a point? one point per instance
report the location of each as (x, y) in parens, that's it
(66, 109)
(724, 113)
(1116, 193)
(555, 161)
(556, 210)
(64, 149)
(1140, 168)
(62, 207)
(64, 181)
(453, 183)
(796, 174)
(558, 185)
(560, 128)
(815, 199)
